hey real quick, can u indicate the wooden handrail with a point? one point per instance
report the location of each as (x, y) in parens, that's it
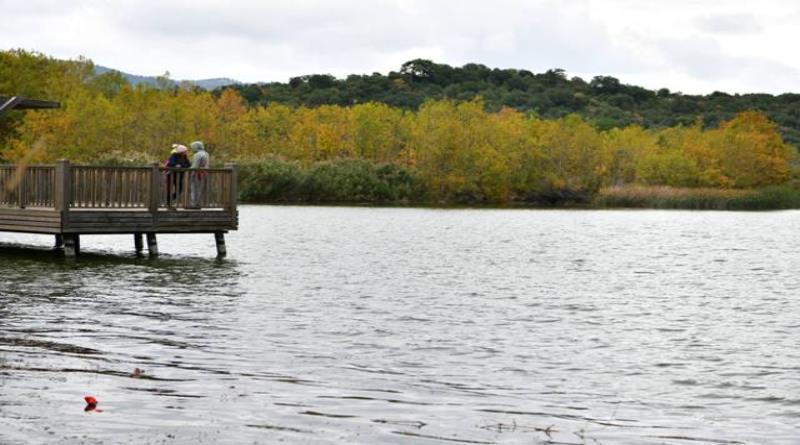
(64, 186)
(27, 186)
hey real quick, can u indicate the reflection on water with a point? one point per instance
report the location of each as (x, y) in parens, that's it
(340, 325)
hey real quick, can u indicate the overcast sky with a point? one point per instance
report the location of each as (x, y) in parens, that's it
(693, 46)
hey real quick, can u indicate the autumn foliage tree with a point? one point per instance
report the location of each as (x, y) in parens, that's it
(458, 150)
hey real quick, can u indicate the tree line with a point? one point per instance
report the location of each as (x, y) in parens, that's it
(441, 150)
(604, 101)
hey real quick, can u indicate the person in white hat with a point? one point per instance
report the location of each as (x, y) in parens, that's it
(178, 158)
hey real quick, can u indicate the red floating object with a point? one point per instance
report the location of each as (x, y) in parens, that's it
(90, 400)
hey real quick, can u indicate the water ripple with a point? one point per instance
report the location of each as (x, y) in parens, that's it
(364, 325)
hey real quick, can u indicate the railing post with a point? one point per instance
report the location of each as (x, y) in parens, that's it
(62, 191)
(232, 187)
(155, 188)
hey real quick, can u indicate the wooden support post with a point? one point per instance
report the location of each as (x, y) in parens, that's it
(137, 242)
(72, 245)
(219, 237)
(152, 244)
(62, 189)
(59, 241)
(232, 188)
(155, 190)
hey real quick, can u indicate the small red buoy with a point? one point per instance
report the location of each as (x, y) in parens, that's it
(91, 404)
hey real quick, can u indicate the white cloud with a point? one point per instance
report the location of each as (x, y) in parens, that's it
(729, 24)
(688, 45)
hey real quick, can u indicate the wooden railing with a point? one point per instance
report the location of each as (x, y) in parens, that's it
(27, 186)
(189, 188)
(110, 187)
(64, 186)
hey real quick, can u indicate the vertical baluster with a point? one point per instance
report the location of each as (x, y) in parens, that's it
(112, 193)
(91, 190)
(39, 186)
(139, 184)
(79, 187)
(96, 198)
(126, 198)
(128, 185)
(32, 188)
(40, 199)
(84, 188)
(88, 185)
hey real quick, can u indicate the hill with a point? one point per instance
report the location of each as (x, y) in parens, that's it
(134, 79)
(605, 101)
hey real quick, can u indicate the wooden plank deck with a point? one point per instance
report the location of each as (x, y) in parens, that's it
(68, 201)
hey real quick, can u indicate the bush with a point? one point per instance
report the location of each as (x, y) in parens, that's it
(270, 181)
(337, 181)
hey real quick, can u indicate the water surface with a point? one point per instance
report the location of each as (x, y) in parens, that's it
(365, 325)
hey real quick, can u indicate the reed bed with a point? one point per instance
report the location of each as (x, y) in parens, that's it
(769, 198)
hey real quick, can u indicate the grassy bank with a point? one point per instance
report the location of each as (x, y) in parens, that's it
(353, 181)
(769, 198)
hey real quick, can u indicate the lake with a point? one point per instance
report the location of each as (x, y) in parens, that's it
(400, 325)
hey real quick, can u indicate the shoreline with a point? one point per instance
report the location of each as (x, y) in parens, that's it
(611, 198)
(520, 206)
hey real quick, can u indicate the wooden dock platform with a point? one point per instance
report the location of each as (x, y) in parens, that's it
(70, 200)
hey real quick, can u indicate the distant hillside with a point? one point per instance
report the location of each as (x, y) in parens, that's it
(603, 100)
(133, 79)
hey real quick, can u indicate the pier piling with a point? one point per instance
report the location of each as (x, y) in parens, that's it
(138, 244)
(219, 238)
(72, 244)
(152, 244)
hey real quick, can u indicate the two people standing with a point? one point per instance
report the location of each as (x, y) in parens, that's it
(179, 159)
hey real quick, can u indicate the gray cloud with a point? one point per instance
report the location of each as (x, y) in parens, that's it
(273, 40)
(356, 36)
(703, 59)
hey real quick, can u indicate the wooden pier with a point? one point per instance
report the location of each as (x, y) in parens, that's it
(68, 200)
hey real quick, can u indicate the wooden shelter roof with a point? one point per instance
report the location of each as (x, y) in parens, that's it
(8, 103)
